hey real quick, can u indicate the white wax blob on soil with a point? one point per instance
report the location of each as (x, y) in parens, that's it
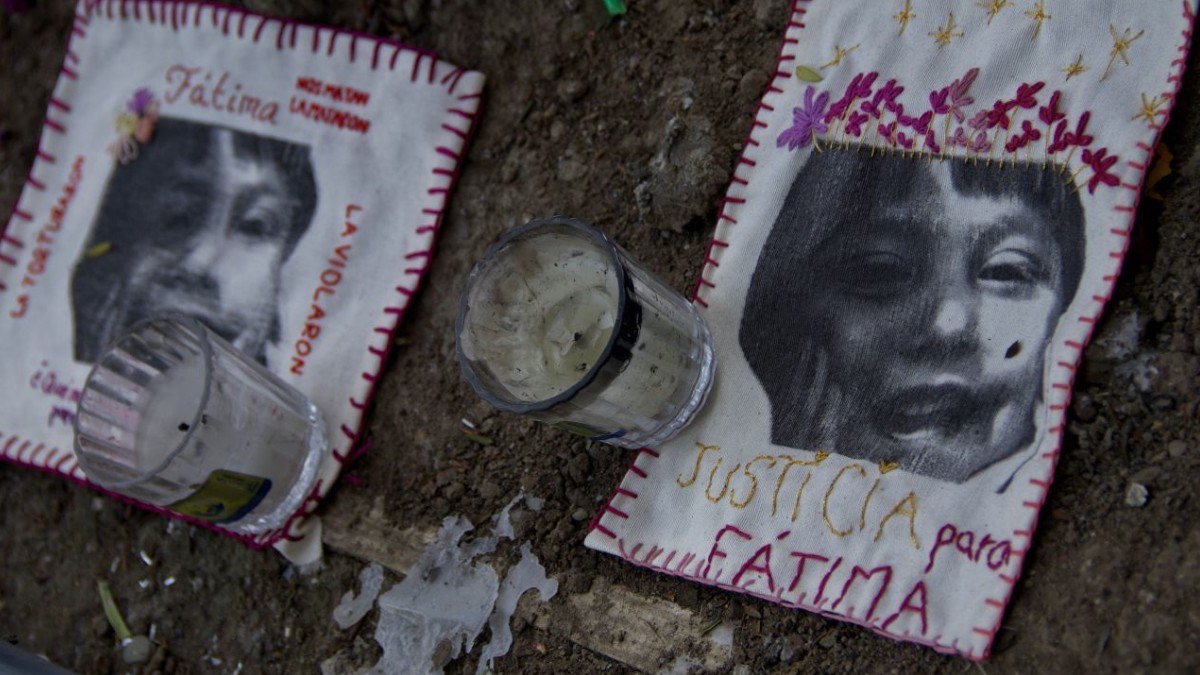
(542, 314)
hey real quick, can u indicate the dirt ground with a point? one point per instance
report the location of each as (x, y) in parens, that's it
(578, 108)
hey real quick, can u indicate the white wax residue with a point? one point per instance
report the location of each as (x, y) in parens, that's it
(170, 411)
(542, 315)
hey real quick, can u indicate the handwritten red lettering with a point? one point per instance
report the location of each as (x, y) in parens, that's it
(328, 115)
(222, 93)
(917, 593)
(803, 558)
(716, 552)
(867, 594)
(860, 573)
(39, 257)
(330, 278)
(332, 91)
(995, 553)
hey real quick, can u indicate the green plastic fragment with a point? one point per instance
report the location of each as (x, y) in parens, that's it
(112, 613)
(615, 7)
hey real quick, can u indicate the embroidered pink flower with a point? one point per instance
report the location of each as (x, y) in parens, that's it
(1028, 135)
(958, 93)
(979, 121)
(1063, 139)
(1026, 94)
(998, 115)
(1049, 113)
(806, 121)
(958, 138)
(952, 99)
(981, 143)
(1100, 163)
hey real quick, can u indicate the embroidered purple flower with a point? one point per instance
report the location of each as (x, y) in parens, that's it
(886, 95)
(979, 121)
(140, 101)
(959, 138)
(854, 124)
(1100, 163)
(931, 143)
(859, 87)
(886, 131)
(806, 121)
(919, 125)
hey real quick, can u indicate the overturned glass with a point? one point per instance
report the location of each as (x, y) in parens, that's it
(559, 323)
(172, 415)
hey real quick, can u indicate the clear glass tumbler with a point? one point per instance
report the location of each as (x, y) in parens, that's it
(559, 323)
(174, 416)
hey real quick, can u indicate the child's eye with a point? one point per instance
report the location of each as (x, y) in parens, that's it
(1012, 270)
(875, 273)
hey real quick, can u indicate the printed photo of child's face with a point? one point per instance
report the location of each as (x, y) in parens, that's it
(216, 214)
(919, 300)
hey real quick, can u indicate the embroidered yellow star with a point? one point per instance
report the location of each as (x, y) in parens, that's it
(1039, 16)
(993, 7)
(944, 34)
(838, 55)
(906, 14)
(1149, 110)
(1075, 68)
(1120, 48)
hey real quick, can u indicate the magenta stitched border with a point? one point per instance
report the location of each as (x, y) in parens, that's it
(1064, 383)
(461, 119)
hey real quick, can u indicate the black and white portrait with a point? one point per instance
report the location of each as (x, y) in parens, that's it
(901, 308)
(199, 223)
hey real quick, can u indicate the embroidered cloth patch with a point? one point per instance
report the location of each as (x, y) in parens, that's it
(929, 216)
(283, 182)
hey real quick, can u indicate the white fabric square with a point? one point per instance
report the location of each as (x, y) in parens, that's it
(923, 229)
(282, 181)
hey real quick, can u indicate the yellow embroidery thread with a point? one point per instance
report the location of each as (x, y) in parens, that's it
(906, 14)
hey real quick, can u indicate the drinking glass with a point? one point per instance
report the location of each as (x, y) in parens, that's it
(173, 415)
(559, 323)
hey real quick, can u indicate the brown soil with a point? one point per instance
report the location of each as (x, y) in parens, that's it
(577, 108)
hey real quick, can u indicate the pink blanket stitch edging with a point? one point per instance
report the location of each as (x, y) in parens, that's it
(464, 112)
(1064, 373)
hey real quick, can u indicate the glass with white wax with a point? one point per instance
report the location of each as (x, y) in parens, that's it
(173, 415)
(559, 323)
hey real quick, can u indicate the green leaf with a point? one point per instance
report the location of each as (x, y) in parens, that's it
(808, 74)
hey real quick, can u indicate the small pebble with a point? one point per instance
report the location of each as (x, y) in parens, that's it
(136, 649)
(828, 642)
(1177, 449)
(1136, 495)
(489, 490)
(579, 515)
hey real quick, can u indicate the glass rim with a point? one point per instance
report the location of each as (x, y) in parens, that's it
(197, 330)
(587, 231)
